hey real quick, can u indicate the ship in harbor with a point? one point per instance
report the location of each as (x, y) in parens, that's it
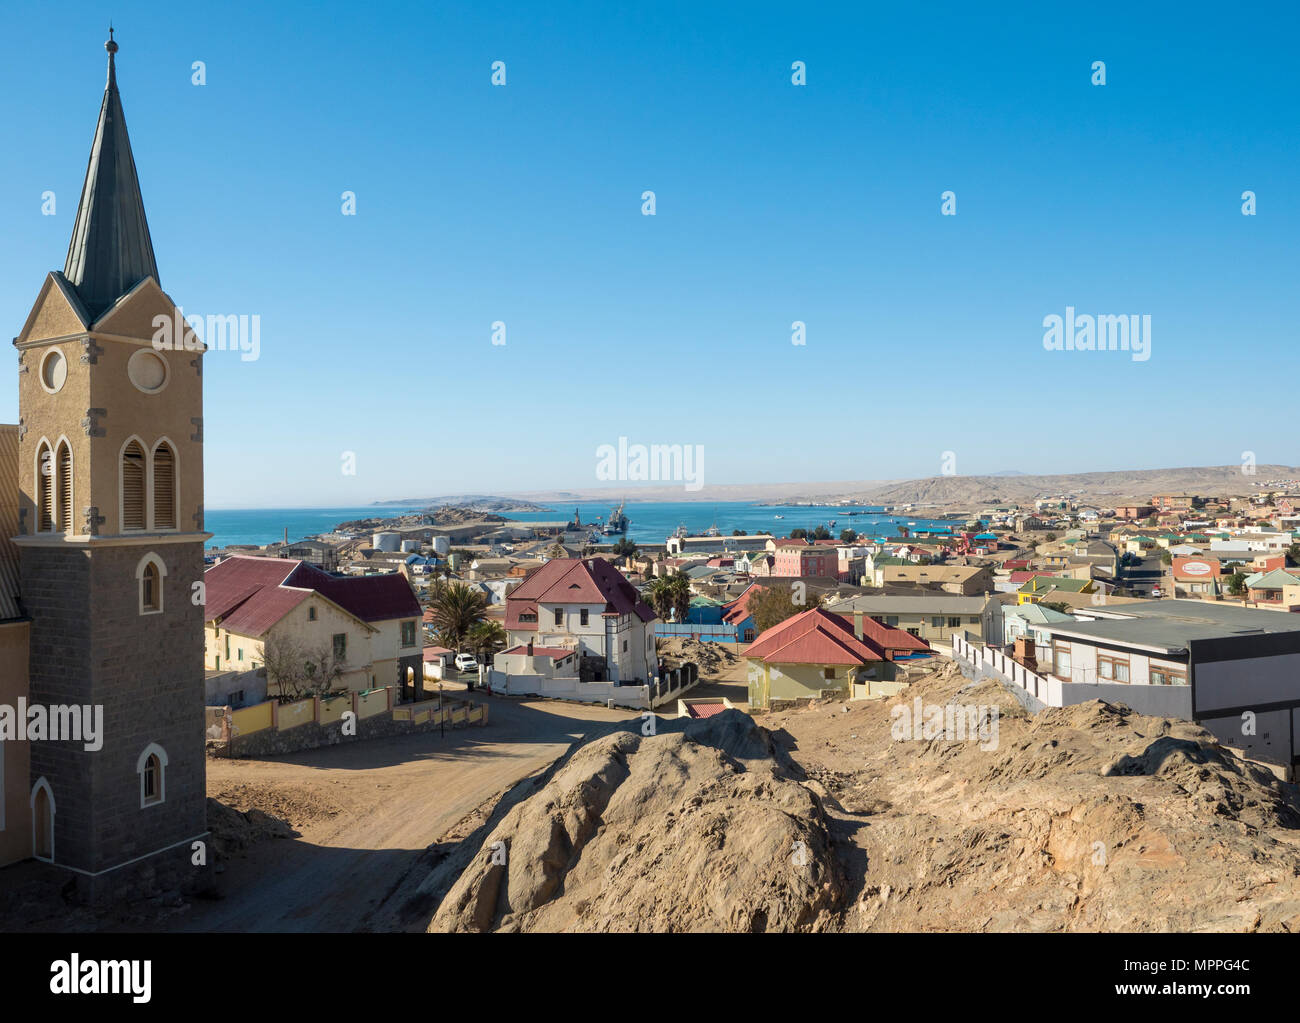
(618, 521)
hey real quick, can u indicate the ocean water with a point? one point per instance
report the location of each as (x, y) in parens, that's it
(266, 525)
(651, 521)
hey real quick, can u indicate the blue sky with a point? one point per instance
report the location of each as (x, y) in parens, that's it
(775, 203)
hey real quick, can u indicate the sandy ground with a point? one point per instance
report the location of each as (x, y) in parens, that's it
(722, 671)
(366, 813)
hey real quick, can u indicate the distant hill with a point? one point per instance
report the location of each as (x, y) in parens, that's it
(1006, 486)
(1101, 487)
(477, 502)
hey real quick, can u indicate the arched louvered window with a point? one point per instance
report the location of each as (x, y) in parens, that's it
(64, 476)
(133, 514)
(164, 487)
(44, 488)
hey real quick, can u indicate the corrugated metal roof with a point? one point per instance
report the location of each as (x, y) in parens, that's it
(815, 636)
(250, 595)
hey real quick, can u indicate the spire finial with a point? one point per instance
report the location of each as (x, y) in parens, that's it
(111, 47)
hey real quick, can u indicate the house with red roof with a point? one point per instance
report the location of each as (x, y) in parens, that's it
(818, 652)
(738, 615)
(586, 605)
(368, 625)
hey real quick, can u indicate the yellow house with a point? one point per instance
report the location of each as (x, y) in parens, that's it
(1042, 587)
(367, 625)
(817, 652)
(316, 625)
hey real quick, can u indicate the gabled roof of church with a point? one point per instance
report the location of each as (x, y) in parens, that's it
(111, 250)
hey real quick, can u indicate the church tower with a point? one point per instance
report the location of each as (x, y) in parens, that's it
(111, 544)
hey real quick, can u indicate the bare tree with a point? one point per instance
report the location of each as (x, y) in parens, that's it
(285, 664)
(298, 672)
(322, 670)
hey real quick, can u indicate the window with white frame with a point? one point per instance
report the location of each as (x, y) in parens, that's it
(150, 573)
(1112, 669)
(1061, 660)
(151, 766)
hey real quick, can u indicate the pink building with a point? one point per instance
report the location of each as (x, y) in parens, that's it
(822, 562)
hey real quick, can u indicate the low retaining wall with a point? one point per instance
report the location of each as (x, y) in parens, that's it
(267, 730)
(502, 684)
(673, 683)
(976, 666)
(642, 697)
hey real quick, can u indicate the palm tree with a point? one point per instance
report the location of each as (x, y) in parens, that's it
(669, 594)
(659, 593)
(485, 639)
(679, 588)
(457, 609)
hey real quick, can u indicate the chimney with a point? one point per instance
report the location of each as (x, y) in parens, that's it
(857, 624)
(530, 648)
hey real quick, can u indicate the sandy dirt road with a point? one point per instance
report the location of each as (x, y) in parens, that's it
(366, 813)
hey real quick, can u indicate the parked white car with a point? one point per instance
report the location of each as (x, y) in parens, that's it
(466, 662)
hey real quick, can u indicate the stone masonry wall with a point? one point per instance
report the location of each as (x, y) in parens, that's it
(90, 645)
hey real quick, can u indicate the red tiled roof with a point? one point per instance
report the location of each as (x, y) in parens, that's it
(704, 710)
(432, 653)
(816, 636)
(574, 581)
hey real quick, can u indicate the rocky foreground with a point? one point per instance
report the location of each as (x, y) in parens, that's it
(1084, 818)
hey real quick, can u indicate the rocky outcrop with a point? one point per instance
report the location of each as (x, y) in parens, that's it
(692, 830)
(1082, 818)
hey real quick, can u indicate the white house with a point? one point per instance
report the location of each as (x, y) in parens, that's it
(588, 606)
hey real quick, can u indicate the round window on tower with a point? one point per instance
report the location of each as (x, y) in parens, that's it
(54, 370)
(148, 371)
